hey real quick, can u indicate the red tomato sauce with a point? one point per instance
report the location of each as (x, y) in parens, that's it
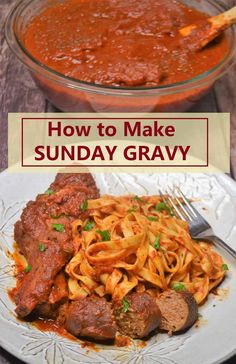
(120, 43)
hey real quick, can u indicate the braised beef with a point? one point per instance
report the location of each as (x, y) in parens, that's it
(44, 237)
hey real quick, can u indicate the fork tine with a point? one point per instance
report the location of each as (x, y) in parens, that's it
(177, 210)
(199, 226)
(185, 210)
(163, 197)
(194, 211)
(165, 200)
(191, 208)
(179, 213)
(197, 214)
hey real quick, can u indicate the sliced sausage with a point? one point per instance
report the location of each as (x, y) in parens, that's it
(179, 310)
(139, 317)
(91, 317)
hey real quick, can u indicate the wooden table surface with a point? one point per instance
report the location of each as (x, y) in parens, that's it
(18, 93)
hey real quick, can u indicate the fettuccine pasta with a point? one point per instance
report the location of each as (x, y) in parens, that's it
(130, 243)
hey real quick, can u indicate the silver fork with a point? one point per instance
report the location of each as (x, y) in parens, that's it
(198, 226)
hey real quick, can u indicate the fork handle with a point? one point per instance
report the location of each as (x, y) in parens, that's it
(222, 244)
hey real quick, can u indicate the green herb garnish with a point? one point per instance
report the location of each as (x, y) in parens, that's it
(89, 225)
(58, 227)
(105, 235)
(49, 192)
(42, 247)
(137, 198)
(162, 206)
(125, 305)
(84, 206)
(134, 208)
(156, 243)
(56, 216)
(178, 287)
(224, 267)
(28, 268)
(152, 218)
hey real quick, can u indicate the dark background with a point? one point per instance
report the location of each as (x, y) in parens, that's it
(18, 93)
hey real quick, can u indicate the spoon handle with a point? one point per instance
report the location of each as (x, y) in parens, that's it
(203, 33)
(228, 17)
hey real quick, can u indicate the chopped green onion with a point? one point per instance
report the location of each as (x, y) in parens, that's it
(105, 235)
(28, 268)
(56, 216)
(224, 267)
(134, 208)
(84, 206)
(58, 227)
(42, 247)
(125, 305)
(137, 198)
(156, 243)
(89, 225)
(162, 206)
(178, 287)
(49, 192)
(152, 218)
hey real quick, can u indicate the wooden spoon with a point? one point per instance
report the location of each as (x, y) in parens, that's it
(200, 34)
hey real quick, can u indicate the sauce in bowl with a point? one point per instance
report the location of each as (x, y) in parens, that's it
(120, 43)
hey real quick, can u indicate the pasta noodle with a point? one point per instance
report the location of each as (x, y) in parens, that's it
(131, 243)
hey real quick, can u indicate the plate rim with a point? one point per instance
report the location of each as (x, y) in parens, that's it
(9, 346)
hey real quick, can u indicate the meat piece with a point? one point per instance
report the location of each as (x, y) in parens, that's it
(73, 179)
(37, 228)
(142, 317)
(67, 193)
(37, 284)
(57, 297)
(59, 290)
(62, 313)
(91, 317)
(71, 190)
(179, 310)
(46, 310)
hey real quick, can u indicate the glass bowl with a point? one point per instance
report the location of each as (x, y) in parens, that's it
(72, 95)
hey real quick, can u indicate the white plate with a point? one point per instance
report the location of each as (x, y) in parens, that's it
(212, 342)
